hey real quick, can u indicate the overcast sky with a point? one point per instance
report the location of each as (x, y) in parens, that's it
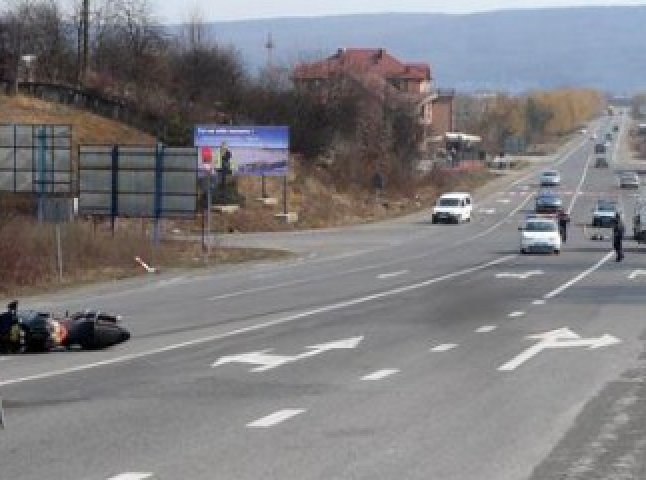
(177, 11)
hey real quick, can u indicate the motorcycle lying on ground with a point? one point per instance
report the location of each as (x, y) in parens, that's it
(31, 331)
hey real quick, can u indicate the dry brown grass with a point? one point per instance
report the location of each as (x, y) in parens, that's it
(28, 254)
(87, 128)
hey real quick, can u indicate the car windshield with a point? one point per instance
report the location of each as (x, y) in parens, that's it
(449, 202)
(606, 207)
(544, 226)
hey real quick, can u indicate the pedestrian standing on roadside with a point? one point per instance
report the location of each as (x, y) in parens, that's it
(618, 237)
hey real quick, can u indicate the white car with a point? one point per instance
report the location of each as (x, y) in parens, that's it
(540, 235)
(454, 207)
(550, 178)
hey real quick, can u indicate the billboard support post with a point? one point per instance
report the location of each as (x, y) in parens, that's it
(42, 152)
(208, 213)
(285, 194)
(59, 252)
(264, 186)
(114, 191)
(159, 185)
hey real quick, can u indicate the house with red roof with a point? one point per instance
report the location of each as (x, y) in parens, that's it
(387, 79)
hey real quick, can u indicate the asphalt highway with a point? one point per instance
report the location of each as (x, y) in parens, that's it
(392, 350)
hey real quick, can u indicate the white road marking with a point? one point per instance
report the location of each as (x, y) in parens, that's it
(539, 302)
(275, 418)
(576, 194)
(487, 211)
(132, 476)
(2, 359)
(379, 374)
(632, 276)
(579, 277)
(504, 200)
(516, 314)
(445, 347)
(260, 326)
(384, 276)
(522, 276)
(486, 329)
(268, 361)
(561, 338)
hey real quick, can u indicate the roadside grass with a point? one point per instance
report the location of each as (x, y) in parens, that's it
(29, 262)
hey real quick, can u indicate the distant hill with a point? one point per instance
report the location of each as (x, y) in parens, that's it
(514, 50)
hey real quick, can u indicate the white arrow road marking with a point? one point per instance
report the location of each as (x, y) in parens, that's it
(275, 418)
(379, 374)
(486, 329)
(631, 276)
(539, 302)
(445, 347)
(267, 361)
(384, 276)
(132, 476)
(561, 338)
(522, 276)
(516, 314)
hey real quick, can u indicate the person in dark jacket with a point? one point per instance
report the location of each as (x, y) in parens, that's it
(564, 219)
(618, 231)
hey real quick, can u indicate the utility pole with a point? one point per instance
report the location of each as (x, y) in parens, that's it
(85, 21)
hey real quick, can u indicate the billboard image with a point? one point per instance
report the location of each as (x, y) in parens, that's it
(253, 150)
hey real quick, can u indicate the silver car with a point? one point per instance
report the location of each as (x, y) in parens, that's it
(550, 178)
(629, 180)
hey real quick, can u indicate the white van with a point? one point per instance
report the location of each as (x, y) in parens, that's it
(454, 207)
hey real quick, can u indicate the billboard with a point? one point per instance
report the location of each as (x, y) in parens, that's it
(35, 158)
(252, 150)
(133, 181)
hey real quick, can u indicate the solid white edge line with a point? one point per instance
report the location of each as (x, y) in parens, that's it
(275, 418)
(579, 277)
(260, 326)
(445, 347)
(379, 374)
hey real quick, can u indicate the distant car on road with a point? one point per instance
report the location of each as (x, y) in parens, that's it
(550, 178)
(604, 213)
(601, 162)
(615, 128)
(454, 207)
(548, 202)
(629, 180)
(599, 148)
(540, 234)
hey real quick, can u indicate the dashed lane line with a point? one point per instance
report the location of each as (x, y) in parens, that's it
(276, 418)
(132, 476)
(384, 276)
(486, 329)
(516, 314)
(539, 302)
(445, 347)
(380, 374)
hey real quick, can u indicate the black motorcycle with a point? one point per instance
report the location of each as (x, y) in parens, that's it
(34, 331)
